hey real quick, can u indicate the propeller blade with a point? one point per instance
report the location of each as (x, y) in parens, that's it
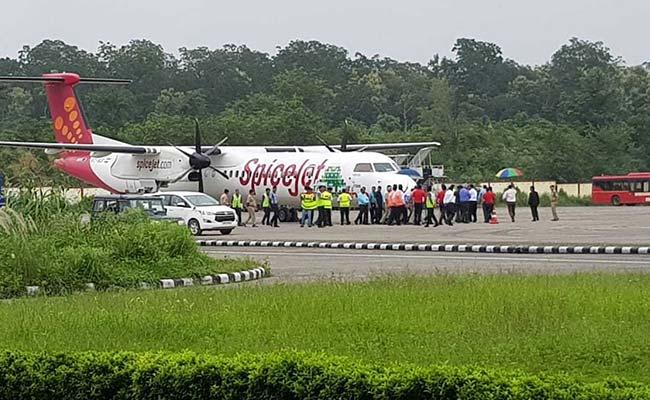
(197, 136)
(179, 177)
(220, 172)
(181, 150)
(215, 149)
(344, 138)
(325, 144)
(201, 181)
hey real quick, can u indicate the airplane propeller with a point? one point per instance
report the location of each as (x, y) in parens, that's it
(344, 141)
(200, 160)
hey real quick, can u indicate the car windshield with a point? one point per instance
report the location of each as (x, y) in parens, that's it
(384, 167)
(151, 206)
(202, 200)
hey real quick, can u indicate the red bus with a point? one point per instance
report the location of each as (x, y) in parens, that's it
(630, 189)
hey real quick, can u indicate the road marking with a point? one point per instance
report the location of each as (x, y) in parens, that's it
(567, 260)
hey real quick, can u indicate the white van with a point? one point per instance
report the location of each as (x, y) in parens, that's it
(199, 211)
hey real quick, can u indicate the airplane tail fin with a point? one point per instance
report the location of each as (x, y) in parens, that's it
(68, 119)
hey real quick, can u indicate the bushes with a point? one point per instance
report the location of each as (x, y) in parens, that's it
(59, 253)
(545, 199)
(274, 376)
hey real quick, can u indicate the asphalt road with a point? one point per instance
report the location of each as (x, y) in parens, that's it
(589, 226)
(290, 264)
(577, 226)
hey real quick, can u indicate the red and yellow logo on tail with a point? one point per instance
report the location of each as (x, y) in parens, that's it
(69, 125)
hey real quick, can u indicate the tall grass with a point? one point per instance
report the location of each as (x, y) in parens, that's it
(43, 242)
(590, 326)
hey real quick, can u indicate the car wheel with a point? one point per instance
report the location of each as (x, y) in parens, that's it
(225, 231)
(194, 226)
(616, 201)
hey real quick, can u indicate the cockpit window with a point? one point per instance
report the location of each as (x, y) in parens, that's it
(384, 167)
(363, 167)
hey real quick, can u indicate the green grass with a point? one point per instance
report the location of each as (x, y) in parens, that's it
(61, 254)
(589, 326)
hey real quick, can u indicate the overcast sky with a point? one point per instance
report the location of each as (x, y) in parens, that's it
(406, 30)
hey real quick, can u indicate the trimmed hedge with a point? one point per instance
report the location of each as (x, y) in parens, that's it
(275, 376)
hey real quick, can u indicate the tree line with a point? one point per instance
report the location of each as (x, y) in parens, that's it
(583, 113)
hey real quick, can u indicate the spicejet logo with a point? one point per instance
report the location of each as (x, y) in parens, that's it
(291, 176)
(150, 165)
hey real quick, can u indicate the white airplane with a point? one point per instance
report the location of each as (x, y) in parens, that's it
(123, 168)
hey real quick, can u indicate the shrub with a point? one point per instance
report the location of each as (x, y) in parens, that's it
(275, 376)
(59, 253)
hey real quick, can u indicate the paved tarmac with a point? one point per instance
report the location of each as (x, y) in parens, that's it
(577, 226)
(290, 264)
(591, 226)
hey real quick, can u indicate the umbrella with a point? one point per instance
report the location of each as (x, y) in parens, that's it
(509, 173)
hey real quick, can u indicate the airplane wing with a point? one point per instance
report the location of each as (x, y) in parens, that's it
(386, 146)
(99, 148)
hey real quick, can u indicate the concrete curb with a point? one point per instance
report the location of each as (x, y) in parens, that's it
(449, 248)
(208, 280)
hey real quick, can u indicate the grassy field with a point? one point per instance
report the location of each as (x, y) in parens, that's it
(589, 326)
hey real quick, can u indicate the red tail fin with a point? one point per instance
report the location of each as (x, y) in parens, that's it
(69, 122)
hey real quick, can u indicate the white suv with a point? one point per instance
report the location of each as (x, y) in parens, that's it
(199, 211)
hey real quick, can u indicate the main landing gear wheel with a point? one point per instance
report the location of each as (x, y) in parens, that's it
(283, 214)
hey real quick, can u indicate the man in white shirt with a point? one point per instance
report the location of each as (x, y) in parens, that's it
(510, 197)
(450, 204)
(224, 200)
(473, 200)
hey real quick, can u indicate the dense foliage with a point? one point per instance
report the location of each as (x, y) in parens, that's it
(43, 242)
(581, 114)
(280, 376)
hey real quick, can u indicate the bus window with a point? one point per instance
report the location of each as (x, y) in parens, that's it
(636, 186)
(621, 185)
(363, 167)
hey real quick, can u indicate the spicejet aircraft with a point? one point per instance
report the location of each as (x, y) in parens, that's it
(123, 168)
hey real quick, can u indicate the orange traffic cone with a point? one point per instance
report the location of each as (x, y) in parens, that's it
(494, 220)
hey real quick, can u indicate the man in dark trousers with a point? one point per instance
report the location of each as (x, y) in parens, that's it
(418, 197)
(275, 207)
(380, 206)
(533, 202)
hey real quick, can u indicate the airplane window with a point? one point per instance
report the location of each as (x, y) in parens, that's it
(384, 167)
(363, 167)
(230, 173)
(237, 174)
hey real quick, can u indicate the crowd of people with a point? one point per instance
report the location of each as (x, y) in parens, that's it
(392, 206)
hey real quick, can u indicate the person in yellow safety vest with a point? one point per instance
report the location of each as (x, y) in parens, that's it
(324, 207)
(430, 204)
(237, 205)
(345, 200)
(266, 207)
(308, 203)
(328, 205)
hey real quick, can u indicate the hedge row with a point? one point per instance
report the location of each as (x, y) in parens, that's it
(277, 376)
